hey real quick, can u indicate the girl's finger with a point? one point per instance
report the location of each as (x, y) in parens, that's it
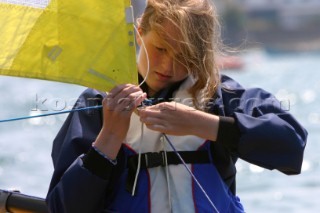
(151, 120)
(122, 96)
(150, 112)
(157, 127)
(130, 102)
(114, 91)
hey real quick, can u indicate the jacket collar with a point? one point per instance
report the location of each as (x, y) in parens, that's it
(164, 95)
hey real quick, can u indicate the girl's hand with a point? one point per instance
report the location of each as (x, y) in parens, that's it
(177, 119)
(118, 106)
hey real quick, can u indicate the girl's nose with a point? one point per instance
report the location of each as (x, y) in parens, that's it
(167, 65)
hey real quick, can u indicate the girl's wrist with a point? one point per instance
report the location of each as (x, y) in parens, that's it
(108, 144)
(206, 125)
(112, 161)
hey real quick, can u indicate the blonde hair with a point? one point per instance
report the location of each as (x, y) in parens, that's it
(199, 27)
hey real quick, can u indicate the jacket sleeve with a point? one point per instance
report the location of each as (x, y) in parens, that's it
(270, 136)
(73, 187)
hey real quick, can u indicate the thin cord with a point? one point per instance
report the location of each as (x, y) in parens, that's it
(48, 114)
(194, 178)
(139, 162)
(141, 136)
(147, 55)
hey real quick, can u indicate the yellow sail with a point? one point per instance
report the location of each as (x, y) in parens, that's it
(85, 42)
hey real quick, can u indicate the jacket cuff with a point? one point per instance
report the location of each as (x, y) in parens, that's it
(97, 164)
(228, 133)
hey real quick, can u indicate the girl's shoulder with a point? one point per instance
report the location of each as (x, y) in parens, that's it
(231, 88)
(230, 84)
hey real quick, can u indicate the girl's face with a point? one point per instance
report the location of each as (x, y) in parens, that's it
(164, 70)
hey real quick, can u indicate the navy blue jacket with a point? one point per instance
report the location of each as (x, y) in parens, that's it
(262, 133)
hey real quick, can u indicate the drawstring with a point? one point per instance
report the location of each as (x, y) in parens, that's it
(166, 167)
(139, 163)
(163, 139)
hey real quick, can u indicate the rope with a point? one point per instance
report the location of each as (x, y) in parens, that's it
(52, 113)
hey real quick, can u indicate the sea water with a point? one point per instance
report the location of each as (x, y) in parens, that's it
(294, 78)
(25, 146)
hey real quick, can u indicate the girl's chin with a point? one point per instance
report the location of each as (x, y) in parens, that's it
(153, 89)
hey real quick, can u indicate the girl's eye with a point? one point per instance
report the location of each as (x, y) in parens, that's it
(161, 49)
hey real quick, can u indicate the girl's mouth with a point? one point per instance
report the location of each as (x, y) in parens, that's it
(162, 76)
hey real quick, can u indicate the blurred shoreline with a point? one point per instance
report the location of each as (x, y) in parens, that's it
(287, 41)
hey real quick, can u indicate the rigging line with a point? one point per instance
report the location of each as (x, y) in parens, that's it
(190, 172)
(53, 113)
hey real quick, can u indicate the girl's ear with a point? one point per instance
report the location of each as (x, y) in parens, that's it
(138, 37)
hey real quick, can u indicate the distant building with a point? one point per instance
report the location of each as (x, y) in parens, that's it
(288, 14)
(274, 22)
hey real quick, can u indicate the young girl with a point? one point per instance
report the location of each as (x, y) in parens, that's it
(119, 159)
